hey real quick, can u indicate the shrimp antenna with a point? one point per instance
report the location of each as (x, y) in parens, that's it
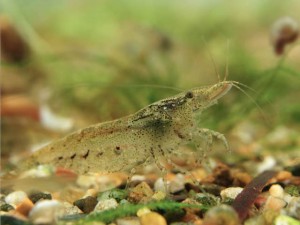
(252, 99)
(212, 59)
(227, 60)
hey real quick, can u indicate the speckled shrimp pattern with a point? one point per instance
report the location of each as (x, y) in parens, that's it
(153, 132)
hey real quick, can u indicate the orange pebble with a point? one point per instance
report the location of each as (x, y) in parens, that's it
(284, 175)
(24, 207)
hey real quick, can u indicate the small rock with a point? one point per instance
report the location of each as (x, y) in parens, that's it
(141, 193)
(6, 207)
(221, 175)
(176, 184)
(106, 204)
(46, 212)
(293, 208)
(161, 185)
(71, 209)
(211, 188)
(15, 198)
(276, 191)
(268, 163)
(241, 179)
(276, 199)
(128, 221)
(265, 218)
(152, 218)
(295, 170)
(196, 174)
(206, 199)
(86, 205)
(221, 215)
(159, 195)
(143, 211)
(189, 215)
(283, 176)
(231, 192)
(24, 207)
(286, 220)
(274, 203)
(124, 201)
(36, 196)
(115, 193)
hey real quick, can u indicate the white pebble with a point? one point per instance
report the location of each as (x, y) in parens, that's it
(46, 212)
(275, 203)
(268, 163)
(71, 209)
(276, 191)
(177, 184)
(106, 204)
(160, 185)
(128, 221)
(15, 198)
(231, 192)
(173, 186)
(293, 208)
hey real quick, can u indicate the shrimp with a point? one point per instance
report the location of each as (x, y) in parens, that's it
(155, 131)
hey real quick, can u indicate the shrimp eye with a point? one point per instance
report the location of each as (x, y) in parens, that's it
(189, 94)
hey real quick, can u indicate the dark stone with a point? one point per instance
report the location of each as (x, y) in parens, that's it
(10, 220)
(6, 207)
(295, 170)
(36, 196)
(87, 204)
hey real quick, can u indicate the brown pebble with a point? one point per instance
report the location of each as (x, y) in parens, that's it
(221, 215)
(221, 176)
(190, 216)
(141, 193)
(241, 179)
(87, 204)
(152, 218)
(24, 207)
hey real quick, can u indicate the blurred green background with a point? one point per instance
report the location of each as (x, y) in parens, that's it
(94, 61)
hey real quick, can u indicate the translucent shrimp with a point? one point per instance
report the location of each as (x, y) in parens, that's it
(143, 137)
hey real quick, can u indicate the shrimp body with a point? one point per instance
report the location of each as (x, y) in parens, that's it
(120, 145)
